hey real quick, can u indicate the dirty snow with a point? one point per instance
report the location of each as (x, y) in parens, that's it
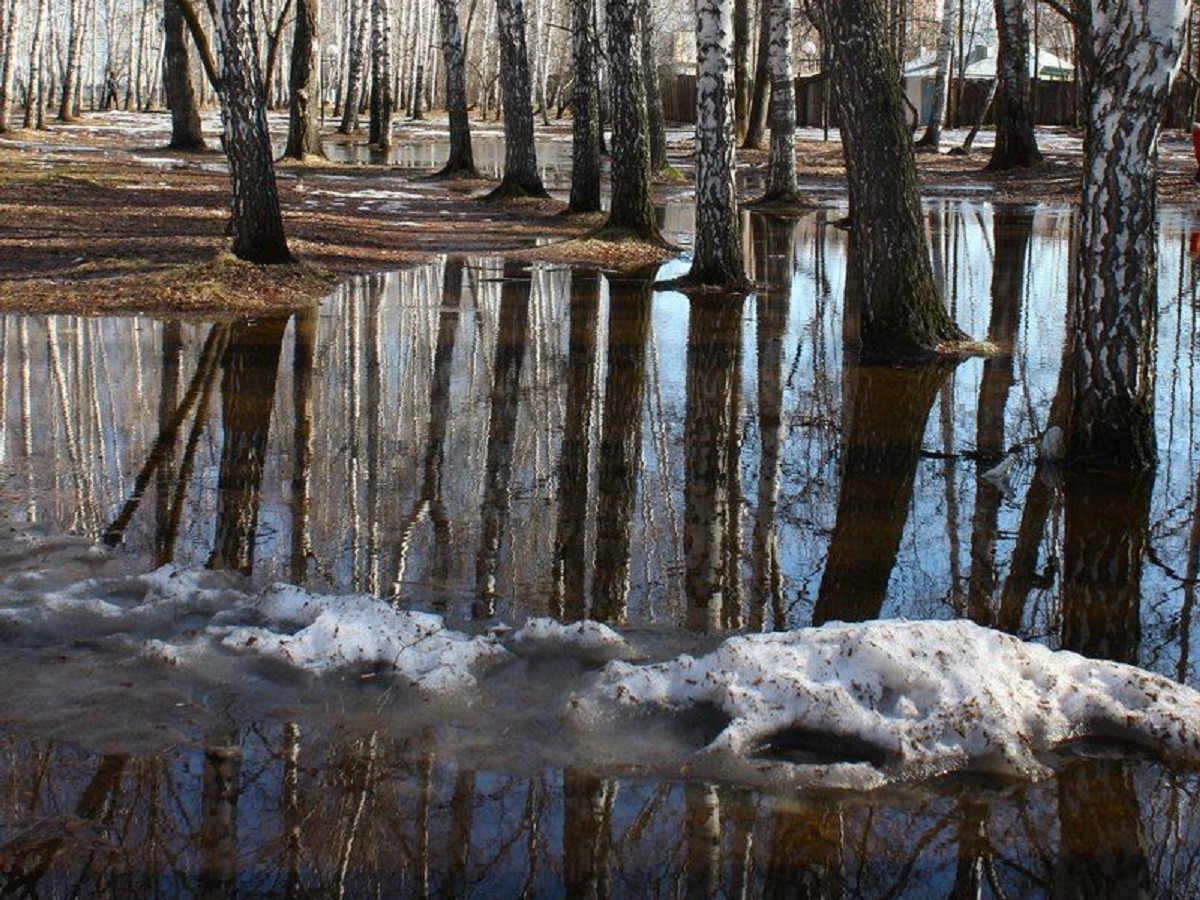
(928, 698)
(852, 706)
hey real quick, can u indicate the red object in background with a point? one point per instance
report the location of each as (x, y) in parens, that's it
(1196, 141)
(1194, 244)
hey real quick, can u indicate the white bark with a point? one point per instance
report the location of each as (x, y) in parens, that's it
(781, 176)
(718, 252)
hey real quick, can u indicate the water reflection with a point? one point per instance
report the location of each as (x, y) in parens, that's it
(277, 811)
(490, 439)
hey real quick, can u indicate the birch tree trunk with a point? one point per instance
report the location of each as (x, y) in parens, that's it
(756, 118)
(33, 94)
(741, 64)
(781, 171)
(521, 178)
(357, 37)
(381, 74)
(462, 158)
(304, 132)
(655, 120)
(67, 110)
(1016, 144)
(186, 133)
(932, 138)
(902, 315)
(631, 212)
(257, 223)
(6, 73)
(1129, 57)
(585, 111)
(717, 260)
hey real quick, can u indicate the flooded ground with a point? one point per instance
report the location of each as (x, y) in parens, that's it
(493, 441)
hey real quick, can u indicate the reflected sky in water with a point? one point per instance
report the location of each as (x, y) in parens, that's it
(490, 439)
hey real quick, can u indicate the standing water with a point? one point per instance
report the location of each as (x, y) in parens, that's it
(492, 442)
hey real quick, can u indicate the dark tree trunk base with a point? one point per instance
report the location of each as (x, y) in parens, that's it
(709, 284)
(511, 188)
(780, 201)
(451, 171)
(188, 146)
(617, 234)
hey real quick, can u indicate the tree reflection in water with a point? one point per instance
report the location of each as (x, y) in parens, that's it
(469, 432)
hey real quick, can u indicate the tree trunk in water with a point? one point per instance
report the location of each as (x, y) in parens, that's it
(257, 223)
(304, 133)
(1016, 145)
(655, 120)
(781, 171)
(186, 133)
(717, 259)
(585, 111)
(521, 178)
(249, 370)
(511, 337)
(881, 445)
(357, 39)
(380, 131)
(1114, 307)
(714, 372)
(902, 315)
(462, 158)
(932, 138)
(67, 110)
(587, 835)
(570, 537)
(620, 451)
(630, 209)
(9, 51)
(756, 124)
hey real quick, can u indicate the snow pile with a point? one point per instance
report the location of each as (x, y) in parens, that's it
(321, 634)
(586, 640)
(909, 700)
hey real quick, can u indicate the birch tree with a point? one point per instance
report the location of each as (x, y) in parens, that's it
(356, 37)
(304, 135)
(186, 133)
(585, 111)
(12, 12)
(932, 138)
(781, 170)
(257, 224)
(380, 131)
(521, 178)
(33, 94)
(1130, 55)
(1016, 144)
(67, 110)
(902, 314)
(717, 259)
(630, 211)
(655, 120)
(461, 162)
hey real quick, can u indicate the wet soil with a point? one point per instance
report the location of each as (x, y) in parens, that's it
(97, 217)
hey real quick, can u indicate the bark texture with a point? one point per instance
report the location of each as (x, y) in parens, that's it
(1129, 57)
(521, 178)
(6, 68)
(630, 209)
(902, 315)
(655, 120)
(380, 131)
(186, 133)
(1016, 144)
(257, 224)
(461, 161)
(717, 260)
(304, 136)
(781, 171)
(585, 109)
(932, 138)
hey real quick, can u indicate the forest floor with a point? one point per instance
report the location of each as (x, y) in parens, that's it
(97, 217)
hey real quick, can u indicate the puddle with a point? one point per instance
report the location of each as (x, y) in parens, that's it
(492, 442)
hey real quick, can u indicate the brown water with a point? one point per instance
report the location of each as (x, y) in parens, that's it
(493, 441)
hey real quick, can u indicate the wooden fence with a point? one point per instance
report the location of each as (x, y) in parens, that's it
(1054, 102)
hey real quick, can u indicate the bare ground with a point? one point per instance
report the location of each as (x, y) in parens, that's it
(96, 217)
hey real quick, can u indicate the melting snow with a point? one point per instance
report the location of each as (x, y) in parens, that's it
(842, 705)
(927, 698)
